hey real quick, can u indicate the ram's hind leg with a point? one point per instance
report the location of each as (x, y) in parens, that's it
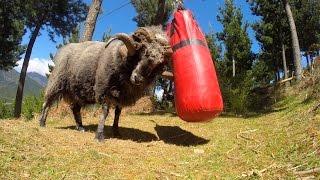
(45, 108)
(76, 108)
(44, 114)
(115, 127)
(100, 129)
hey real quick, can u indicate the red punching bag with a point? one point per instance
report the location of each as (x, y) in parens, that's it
(197, 92)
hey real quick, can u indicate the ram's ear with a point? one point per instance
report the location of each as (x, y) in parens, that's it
(167, 75)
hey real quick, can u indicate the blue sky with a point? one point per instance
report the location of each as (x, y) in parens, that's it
(205, 12)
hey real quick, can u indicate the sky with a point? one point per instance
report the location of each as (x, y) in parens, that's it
(205, 12)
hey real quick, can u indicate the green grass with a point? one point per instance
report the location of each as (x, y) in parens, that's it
(269, 146)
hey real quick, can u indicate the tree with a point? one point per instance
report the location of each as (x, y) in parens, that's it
(11, 32)
(235, 39)
(215, 49)
(307, 19)
(234, 69)
(273, 33)
(59, 17)
(91, 20)
(295, 40)
(107, 35)
(152, 12)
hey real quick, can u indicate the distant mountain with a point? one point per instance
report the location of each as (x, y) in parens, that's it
(9, 83)
(42, 80)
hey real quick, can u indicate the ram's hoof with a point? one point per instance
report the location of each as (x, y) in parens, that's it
(100, 136)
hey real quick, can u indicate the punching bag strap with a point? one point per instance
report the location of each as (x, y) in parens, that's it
(188, 42)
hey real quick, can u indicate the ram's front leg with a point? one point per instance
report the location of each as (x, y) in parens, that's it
(115, 127)
(100, 129)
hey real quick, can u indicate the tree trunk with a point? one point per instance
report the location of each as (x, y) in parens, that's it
(284, 62)
(160, 13)
(295, 40)
(91, 20)
(19, 95)
(233, 67)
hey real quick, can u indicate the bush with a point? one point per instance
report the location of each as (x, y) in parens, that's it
(31, 106)
(5, 110)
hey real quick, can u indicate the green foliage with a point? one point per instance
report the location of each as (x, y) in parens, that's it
(272, 31)
(11, 32)
(150, 12)
(5, 109)
(307, 18)
(107, 35)
(213, 46)
(235, 38)
(32, 105)
(59, 17)
(237, 91)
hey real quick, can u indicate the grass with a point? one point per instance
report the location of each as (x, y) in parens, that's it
(269, 146)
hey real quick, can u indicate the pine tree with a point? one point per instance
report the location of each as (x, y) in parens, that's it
(238, 55)
(11, 32)
(273, 33)
(214, 47)
(107, 35)
(307, 13)
(59, 17)
(152, 12)
(234, 69)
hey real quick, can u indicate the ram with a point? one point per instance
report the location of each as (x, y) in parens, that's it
(113, 74)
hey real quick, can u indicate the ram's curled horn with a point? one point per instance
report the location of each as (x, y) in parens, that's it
(128, 41)
(149, 35)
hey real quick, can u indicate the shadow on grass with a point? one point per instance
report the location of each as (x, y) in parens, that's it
(168, 134)
(126, 133)
(177, 136)
(172, 114)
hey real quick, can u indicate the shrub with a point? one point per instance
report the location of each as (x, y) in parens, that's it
(31, 106)
(5, 109)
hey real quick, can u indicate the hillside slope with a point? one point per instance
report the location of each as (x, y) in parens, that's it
(9, 83)
(42, 80)
(279, 145)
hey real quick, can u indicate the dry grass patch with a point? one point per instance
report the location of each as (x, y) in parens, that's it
(271, 146)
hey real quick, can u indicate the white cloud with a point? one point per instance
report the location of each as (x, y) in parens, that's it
(36, 65)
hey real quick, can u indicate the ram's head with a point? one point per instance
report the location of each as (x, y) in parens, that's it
(151, 47)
